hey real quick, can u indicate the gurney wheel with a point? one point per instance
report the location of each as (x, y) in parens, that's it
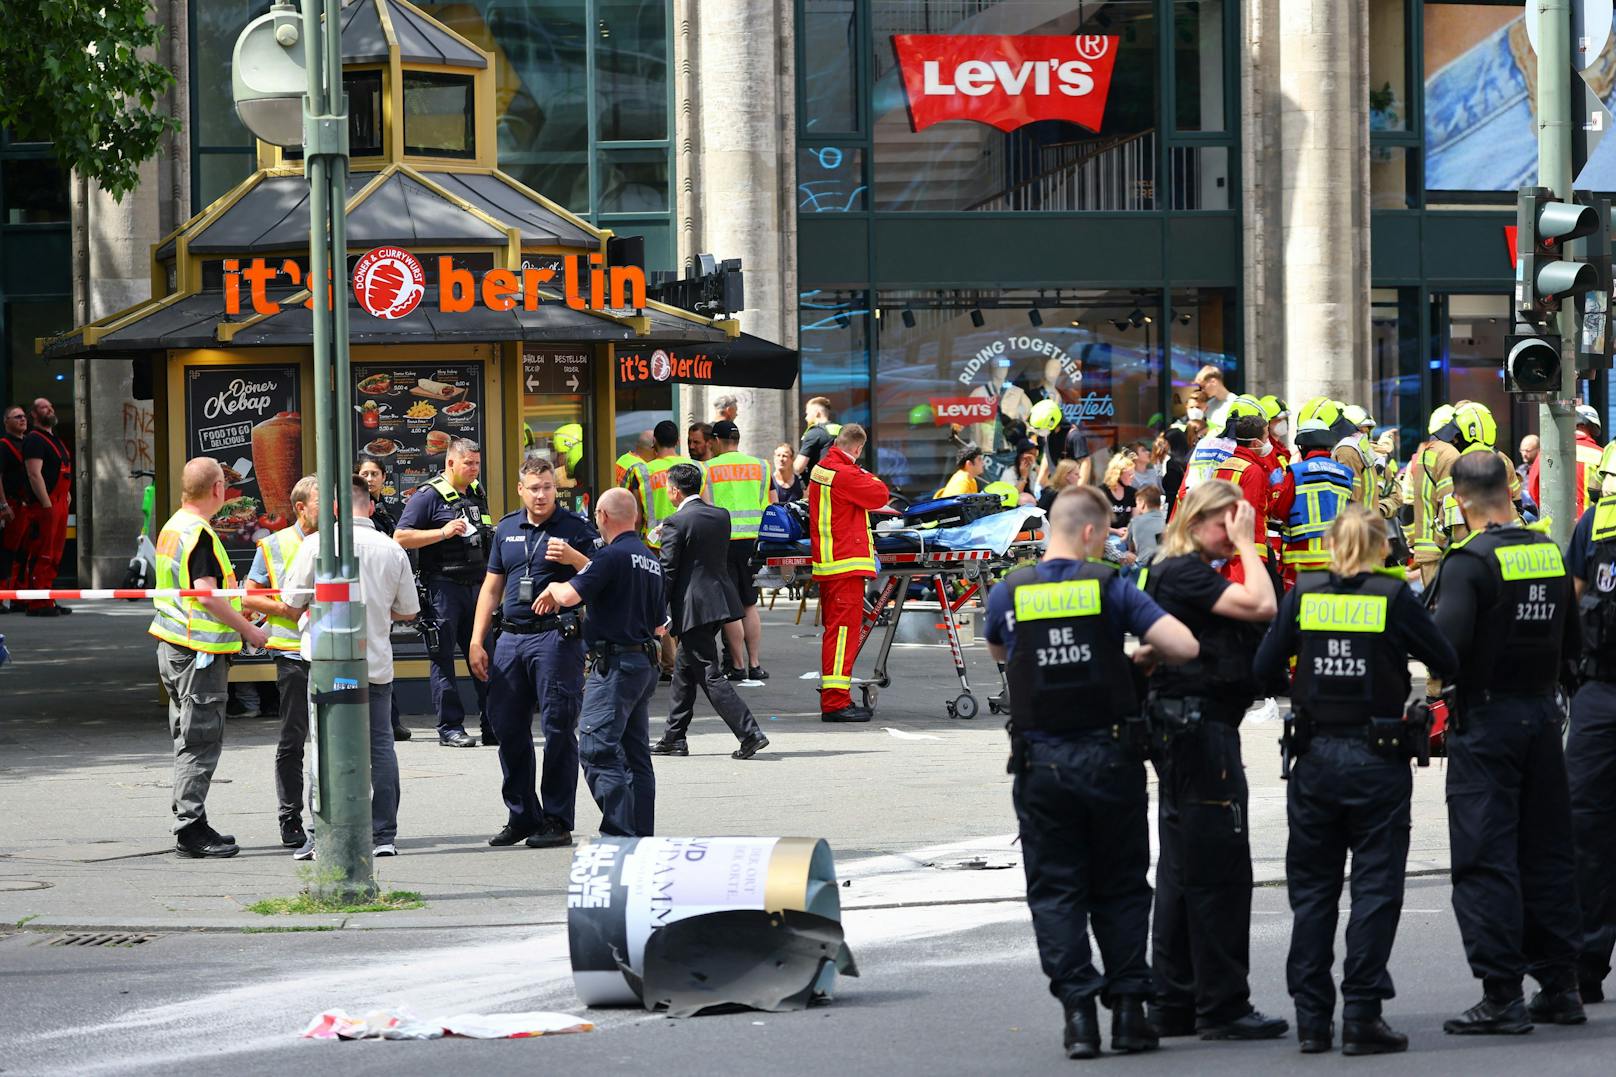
(995, 705)
(963, 706)
(870, 693)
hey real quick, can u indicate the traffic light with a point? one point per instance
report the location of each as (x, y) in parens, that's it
(710, 287)
(1532, 365)
(1543, 273)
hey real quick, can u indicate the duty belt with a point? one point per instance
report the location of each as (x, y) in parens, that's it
(608, 649)
(548, 623)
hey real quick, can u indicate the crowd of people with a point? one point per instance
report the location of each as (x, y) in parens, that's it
(36, 496)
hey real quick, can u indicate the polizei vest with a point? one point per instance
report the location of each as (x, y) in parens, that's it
(1597, 607)
(1348, 669)
(1067, 671)
(1518, 638)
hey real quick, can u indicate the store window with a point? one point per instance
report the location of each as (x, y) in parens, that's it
(1198, 65)
(438, 116)
(1395, 370)
(631, 70)
(1467, 352)
(830, 48)
(1106, 163)
(1202, 331)
(1388, 65)
(833, 339)
(1479, 71)
(830, 179)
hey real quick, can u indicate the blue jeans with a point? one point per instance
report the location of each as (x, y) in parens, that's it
(548, 671)
(384, 791)
(454, 607)
(614, 741)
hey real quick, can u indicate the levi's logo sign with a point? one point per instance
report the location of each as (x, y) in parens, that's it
(1005, 81)
(962, 410)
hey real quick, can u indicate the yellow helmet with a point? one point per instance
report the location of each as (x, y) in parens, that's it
(1357, 416)
(1319, 413)
(1441, 417)
(1046, 416)
(1273, 407)
(569, 443)
(1244, 419)
(1004, 492)
(1476, 424)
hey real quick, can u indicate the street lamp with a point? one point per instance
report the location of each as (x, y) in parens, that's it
(289, 100)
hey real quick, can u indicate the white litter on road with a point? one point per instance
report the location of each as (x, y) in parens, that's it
(901, 735)
(812, 675)
(400, 1023)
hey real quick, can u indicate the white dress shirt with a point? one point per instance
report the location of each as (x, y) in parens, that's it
(386, 587)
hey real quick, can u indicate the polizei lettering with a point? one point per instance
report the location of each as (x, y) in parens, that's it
(1343, 613)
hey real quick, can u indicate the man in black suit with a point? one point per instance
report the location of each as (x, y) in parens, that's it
(702, 599)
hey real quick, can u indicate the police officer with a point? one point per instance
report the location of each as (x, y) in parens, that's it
(536, 661)
(1201, 935)
(1351, 630)
(1506, 604)
(1591, 745)
(1079, 790)
(626, 610)
(448, 521)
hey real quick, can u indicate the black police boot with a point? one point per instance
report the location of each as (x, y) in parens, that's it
(670, 747)
(1130, 1031)
(1167, 1023)
(199, 843)
(1371, 1037)
(1590, 989)
(1558, 1007)
(510, 834)
(1315, 1039)
(1252, 1025)
(489, 739)
(1491, 1017)
(552, 836)
(1082, 1038)
(850, 713)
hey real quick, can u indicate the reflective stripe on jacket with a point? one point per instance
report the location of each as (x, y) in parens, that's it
(840, 497)
(740, 484)
(279, 549)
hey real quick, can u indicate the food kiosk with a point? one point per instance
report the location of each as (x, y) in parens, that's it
(440, 346)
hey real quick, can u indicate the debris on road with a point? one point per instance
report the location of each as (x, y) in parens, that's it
(401, 1024)
(901, 735)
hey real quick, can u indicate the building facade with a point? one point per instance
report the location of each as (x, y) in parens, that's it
(1308, 194)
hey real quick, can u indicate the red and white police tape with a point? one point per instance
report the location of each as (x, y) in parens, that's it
(322, 592)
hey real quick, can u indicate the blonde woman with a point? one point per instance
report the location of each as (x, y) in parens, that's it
(1351, 631)
(1201, 930)
(1118, 487)
(1065, 475)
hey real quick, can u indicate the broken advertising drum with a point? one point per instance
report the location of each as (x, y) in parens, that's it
(621, 890)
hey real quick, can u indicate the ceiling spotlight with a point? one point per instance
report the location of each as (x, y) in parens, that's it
(1137, 317)
(1184, 319)
(877, 313)
(908, 317)
(1035, 316)
(977, 319)
(1076, 323)
(1122, 324)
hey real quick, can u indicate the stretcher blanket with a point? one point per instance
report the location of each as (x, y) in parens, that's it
(996, 533)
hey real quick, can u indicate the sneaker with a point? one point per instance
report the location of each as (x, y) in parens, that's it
(757, 673)
(385, 848)
(292, 833)
(456, 738)
(198, 842)
(305, 851)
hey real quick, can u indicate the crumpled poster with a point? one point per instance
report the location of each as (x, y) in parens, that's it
(399, 1023)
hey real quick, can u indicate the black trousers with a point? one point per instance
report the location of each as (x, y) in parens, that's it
(1085, 842)
(1591, 770)
(1343, 796)
(1201, 936)
(292, 681)
(1509, 829)
(696, 666)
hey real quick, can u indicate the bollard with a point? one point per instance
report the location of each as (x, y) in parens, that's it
(620, 890)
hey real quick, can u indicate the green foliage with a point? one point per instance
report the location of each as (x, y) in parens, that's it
(307, 904)
(72, 73)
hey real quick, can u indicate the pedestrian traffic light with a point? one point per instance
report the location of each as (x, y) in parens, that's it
(1532, 366)
(1543, 273)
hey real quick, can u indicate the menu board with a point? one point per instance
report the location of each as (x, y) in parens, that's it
(405, 415)
(246, 417)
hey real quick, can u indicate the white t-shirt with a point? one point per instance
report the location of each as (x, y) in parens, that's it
(386, 587)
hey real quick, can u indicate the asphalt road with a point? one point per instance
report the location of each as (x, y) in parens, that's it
(946, 989)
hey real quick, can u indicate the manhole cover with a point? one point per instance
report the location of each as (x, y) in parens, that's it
(101, 938)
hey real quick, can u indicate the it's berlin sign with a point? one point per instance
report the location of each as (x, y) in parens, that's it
(1006, 81)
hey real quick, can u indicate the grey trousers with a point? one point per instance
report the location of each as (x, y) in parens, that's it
(292, 679)
(384, 792)
(196, 698)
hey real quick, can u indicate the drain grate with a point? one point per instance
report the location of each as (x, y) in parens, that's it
(101, 938)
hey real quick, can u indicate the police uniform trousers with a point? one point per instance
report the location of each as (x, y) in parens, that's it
(841, 609)
(1085, 837)
(614, 743)
(292, 682)
(1201, 936)
(196, 698)
(1509, 829)
(454, 607)
(537, 669)
(1343, 796)
(1591, 770)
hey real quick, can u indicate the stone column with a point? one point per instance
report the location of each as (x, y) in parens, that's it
(111, 272)
(1323, 59)
(1261, 171)
(735, 131)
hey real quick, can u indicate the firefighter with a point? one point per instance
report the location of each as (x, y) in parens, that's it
(840, 497)
(1589, 456)
(1310, 494)
(1430, 484)
(1351, 631)
(1477, 433)
(1247, 425)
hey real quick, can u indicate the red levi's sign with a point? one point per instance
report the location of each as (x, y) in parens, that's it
(963, 410)
(1004, 81)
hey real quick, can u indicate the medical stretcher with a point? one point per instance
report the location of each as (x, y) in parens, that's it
(955, 563)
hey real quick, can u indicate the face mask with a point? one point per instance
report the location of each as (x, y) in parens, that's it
(1281, 429)
(1194, 414)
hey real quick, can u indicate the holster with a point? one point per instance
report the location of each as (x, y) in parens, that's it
(1166, 720)
(1018, 754)
(1388, 738)
(1134, 736)
(1294, 740)
(1417, 722)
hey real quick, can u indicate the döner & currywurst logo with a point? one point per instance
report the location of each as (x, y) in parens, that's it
(1006, 81)
(389, 282)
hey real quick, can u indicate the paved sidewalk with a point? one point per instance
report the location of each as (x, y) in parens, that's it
(85, 765)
